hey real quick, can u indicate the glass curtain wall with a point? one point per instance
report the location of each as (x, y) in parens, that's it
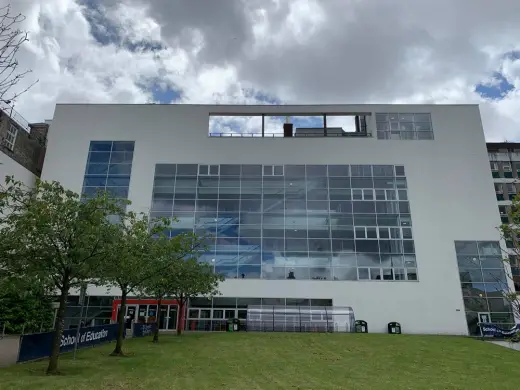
(305, 222)
(483, 282)
(109, 167)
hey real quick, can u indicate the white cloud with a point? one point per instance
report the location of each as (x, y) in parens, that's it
(301, 51)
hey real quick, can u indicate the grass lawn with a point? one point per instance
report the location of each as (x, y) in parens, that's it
(248, 361)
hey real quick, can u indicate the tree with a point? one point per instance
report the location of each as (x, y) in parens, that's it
(143, 252)
(170, 255)
(25, 304)
(183, 279)
(511, 235)
(11, 40)
(130, 263)
(50, 233)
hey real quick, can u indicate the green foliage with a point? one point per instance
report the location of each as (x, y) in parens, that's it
(129, 261)
(511, 234)
(50, 234)
(25, 305)
(182, 277)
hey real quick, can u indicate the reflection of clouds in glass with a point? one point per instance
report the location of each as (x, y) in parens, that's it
(228, 125)
(223, 125)
(273, 125)
(273, 223)
(347, 123)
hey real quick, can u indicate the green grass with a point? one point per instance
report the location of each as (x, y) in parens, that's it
(248, 361)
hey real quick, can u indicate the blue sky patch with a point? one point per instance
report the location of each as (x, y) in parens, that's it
(106, 32)
(513, 55)
(495, 90)
(165, 95)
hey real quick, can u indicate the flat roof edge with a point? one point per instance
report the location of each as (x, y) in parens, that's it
(272, 105)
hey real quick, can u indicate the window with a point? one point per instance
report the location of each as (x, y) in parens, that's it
(511, 188)
(404, 126)
(498, 188)
(482, 277)
(109, 168)
(507, 171)
(212, 170)
(10, 138)
(494, 166)
(319, 222)
(273, 170)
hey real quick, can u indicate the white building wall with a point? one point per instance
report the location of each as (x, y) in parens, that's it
(450, 191)
(9, 167)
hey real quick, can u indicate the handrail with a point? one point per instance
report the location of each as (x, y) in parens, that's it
(298, 135)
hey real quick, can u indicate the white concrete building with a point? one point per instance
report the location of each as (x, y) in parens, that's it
(357, 205)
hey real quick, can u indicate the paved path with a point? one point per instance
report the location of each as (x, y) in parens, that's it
(9, 350)
(507, 344)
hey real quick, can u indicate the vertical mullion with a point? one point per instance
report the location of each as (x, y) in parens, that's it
(239, 219)
(283, 226)
(262, 218)
(109, 162)
(174, 189)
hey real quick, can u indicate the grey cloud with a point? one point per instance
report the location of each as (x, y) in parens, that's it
(363, 51)
(223, 24)
(370, 51)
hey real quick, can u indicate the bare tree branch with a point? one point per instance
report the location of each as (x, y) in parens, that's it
(11, 40)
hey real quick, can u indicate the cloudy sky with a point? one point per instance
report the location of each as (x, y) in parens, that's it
(275, 51)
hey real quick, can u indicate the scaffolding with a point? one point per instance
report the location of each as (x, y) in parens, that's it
(300, 319)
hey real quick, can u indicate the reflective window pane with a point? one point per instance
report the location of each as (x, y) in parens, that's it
(100, 146)
(187, 169)
(287, 222)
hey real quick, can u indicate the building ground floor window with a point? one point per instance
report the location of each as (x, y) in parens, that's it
(201, 314)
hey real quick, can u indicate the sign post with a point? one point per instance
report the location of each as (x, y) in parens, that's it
(82, 293)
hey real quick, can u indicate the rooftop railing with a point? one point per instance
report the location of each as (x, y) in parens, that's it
(16, 117)
(295, 135)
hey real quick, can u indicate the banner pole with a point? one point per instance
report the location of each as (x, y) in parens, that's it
(82, 293)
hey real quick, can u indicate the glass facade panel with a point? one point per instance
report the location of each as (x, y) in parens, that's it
(109, 167)
(307, 222)
(404, 126)
(483, 282)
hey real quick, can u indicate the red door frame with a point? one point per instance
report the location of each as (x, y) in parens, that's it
(180, 318)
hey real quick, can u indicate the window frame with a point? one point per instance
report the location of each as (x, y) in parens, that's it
(10, 138)
(403, 126)
(208, 166)
(271, 168)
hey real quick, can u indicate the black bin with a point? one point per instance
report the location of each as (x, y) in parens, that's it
(394, 328)
(361, 326)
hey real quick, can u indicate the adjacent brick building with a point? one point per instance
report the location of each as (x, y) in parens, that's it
(23, 142)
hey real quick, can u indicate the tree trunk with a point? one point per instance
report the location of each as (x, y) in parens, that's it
(180, 323)
(157, 321)
(118, 350)
(52, 369)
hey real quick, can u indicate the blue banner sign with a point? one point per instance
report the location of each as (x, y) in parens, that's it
(492, 330)
(141, 330)
(39, 345)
